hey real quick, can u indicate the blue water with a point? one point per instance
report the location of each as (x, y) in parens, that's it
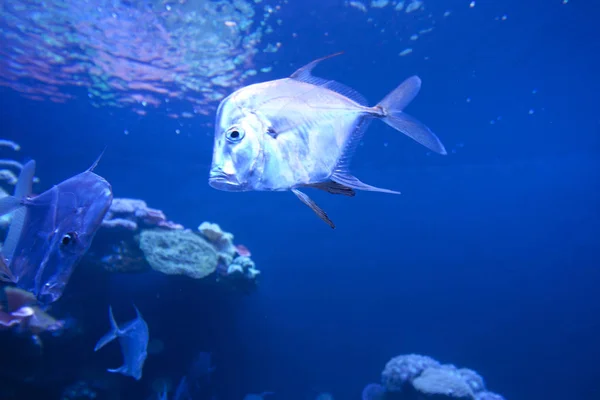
(489, 259)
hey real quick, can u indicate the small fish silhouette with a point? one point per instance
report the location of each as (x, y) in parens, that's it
(51, 232)
(133, 338)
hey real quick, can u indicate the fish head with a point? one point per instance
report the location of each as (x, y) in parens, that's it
(238, 156)
(81, 204)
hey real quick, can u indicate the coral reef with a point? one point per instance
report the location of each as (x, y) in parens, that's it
(132, 213)
(19, 310)
(403, 369)
(445, 381)
(179, 252)
(137, 238)
(413, 376)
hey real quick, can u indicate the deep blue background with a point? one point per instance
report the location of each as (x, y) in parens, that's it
(489, 259)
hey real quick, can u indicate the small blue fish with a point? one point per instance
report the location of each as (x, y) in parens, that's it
(133, 338)
(50, 233)
(301, 131)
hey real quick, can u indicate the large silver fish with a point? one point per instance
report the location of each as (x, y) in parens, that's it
(300, 132)
(51, 232)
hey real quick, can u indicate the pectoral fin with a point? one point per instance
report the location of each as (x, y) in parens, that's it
(318, 210)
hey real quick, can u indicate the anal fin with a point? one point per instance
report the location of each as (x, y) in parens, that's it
(318, 210)
(345, 179)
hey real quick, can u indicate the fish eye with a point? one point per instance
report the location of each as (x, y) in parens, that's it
(234, 134)
(68, 238)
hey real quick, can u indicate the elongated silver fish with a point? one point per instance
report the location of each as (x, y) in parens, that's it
(300, 132)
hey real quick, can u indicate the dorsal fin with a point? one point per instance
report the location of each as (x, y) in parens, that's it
(304, 74)
(95, 164)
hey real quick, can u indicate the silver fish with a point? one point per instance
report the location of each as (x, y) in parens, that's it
(51, 232)
(133, 338)
(301, 132)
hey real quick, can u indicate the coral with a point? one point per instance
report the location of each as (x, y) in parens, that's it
(117, 250)
(138, 238)
(413, 376)
(473, 379)
(488, 396)
(222, 241)
(400, 370)
(21, 311)
(129, 213)
(178, 252)
(373, 391)
(443, 380)
(240, 267)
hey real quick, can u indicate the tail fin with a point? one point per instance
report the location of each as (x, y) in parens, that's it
(111, 335)
(22, 189)
(392, 106)
(15, 204)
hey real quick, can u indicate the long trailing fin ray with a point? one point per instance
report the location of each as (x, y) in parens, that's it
(390, 110)
(313, 206)
(304, 72)
(346, 179)
(95, 164)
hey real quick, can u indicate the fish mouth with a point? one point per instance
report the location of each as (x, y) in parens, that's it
(221, 181)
